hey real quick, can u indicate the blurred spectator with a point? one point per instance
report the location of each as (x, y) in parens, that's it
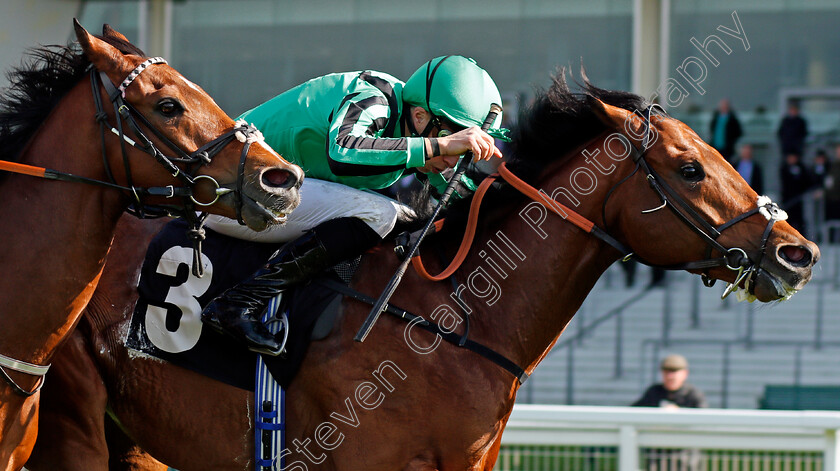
(792, 132)
(657, 275)
(674, 391)
(819, 174)
(749, 169)
(795, 182)
(832, 188)
(725, 129)
(820, 169)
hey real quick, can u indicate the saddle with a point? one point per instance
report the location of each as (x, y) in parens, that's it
(166, 320)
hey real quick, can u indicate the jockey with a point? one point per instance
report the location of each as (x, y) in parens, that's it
(352, 132)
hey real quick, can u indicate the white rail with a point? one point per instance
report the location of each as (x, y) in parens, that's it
(632, 428)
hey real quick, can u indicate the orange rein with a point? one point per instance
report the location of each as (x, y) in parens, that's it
(22, 168)
(524, 188)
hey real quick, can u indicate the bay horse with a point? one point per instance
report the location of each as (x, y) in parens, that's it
(404, 400)
(57, 123)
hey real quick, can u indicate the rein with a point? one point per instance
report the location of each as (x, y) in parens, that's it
(735, 259)
(124, 111)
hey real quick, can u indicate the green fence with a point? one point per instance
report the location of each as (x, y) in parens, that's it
(586, 458)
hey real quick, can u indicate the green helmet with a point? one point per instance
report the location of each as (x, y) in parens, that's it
(453, 87)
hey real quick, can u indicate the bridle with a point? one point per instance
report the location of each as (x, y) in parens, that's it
(241, 131)
(124, 111)
(733, 258)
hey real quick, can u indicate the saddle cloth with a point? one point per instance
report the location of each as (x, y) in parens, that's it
(166, 321)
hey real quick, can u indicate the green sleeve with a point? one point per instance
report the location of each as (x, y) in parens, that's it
(356, 141)
(439, 182)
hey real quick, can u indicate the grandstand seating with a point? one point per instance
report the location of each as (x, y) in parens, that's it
(751, 364)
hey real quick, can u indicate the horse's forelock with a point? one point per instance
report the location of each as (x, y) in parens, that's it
(123, 45)
(45, 75)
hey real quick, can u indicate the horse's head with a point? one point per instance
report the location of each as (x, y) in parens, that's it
(231, 170)
(686, 206)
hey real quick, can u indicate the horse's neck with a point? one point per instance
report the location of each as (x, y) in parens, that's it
(557, 264)
(55, 234)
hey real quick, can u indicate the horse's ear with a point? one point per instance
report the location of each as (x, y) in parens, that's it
(612, 116)
(631, 125)
(107, 30)
(102, 55)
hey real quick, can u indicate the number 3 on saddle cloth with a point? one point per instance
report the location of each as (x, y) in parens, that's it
(166, 323)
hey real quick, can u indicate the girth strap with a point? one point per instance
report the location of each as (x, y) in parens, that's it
(450, 337)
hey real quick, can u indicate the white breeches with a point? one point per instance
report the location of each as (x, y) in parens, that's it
(321, 201)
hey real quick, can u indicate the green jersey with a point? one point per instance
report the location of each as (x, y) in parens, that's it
(345, 128)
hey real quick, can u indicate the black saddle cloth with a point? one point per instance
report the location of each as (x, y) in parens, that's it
(166, 322)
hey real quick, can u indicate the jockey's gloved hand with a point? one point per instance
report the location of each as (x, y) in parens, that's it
(473, 139)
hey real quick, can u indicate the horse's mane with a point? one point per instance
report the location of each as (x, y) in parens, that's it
(557, 122)
(45, 75)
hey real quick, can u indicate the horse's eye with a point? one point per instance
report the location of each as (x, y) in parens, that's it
(169, 107)
(692, 172)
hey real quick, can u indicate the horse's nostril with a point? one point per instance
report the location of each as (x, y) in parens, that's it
(278, 178)
(795, 255)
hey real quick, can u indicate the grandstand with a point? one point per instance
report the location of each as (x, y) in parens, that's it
(734, 349)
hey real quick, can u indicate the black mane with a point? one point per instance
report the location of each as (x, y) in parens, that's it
(555, 124)
(560, 121)
(45, 75)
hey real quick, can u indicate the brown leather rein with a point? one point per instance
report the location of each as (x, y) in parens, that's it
(469, 234)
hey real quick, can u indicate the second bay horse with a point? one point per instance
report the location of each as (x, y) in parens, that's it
(74, 134)
(627, 179)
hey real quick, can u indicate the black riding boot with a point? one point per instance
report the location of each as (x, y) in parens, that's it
(238, 310)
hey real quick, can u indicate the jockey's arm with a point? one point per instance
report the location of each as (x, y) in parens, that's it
(357, 144)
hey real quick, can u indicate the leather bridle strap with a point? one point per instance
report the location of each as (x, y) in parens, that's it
(466, 242)
(735, 259)
(124, 111)
(698, 225)
(469, 233)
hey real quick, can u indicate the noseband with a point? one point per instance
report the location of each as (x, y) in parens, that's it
(124, 111)
(734, 258)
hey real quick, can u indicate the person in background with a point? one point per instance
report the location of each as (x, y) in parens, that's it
(792, 132)
(795, 182)
(657, 274)
(820, 169)
(832, 192)
(725, 129)
(749, 169)
(819, 175)
(674, 391)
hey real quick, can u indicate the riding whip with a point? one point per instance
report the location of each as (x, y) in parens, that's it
(382, 302)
